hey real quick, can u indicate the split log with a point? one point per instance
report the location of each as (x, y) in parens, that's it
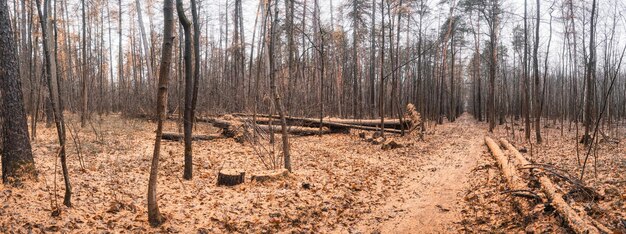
(579, 223)
(270, 175)
(230, 177)
(170, 136)
(513, 179)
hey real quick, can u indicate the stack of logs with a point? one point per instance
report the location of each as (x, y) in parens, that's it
(579, 222)
(236, 125)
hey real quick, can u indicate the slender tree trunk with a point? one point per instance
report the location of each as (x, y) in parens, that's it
(536, 73)
(590, 77)
(154, 216)
(55, 93)
(493, 44)
(196, 71)
(277, 100)
(372, 93)
(83, 97)
(526, 76)
(187, 118)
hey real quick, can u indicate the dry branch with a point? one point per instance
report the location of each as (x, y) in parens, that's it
(579, 223)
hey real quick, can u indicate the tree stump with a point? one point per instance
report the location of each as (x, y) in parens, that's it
(230, 177)
(270, 175)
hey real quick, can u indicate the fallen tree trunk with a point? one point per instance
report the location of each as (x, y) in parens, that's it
(271, 175)
(294, 130)
(513, 179)
(334, 127)
(390, 123)
(234, 128)
(578, 223)
(170, 136)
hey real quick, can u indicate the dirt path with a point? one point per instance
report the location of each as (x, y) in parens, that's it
(432, 200)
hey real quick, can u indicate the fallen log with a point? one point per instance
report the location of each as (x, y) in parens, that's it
(513, 179)
(234, 128)
(389, 123)
(294, 130)
(334, 127)
(271, 175)
(578, 223)
(170, 136)
(230, 177)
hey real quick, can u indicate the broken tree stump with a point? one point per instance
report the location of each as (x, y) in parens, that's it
(578, 223)
(270, 175)
(230, 177)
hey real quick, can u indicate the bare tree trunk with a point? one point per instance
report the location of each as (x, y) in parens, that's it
(277, 100)
(591, 77)
(146, 47)
(17, 155)
(493, 44)
(188, 121)
(381, 92)
(55, 94)
(536, 73)
(120, 59)
(154, 216)
(526, 76)
(372, 93)
(196, 68)
(83, 97)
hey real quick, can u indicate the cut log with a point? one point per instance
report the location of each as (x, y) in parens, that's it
(170, 136)
(270, 175)
(334, 127)
(513, 179)
(230, 177)
(234, 128)
(577, 222)
(295, 130)
(389, 123)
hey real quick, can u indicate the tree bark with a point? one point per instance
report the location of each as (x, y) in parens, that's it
(17, 156)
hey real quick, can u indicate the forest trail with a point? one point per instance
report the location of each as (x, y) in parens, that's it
(435, 193)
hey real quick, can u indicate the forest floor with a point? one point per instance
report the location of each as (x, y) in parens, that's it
(341, 184)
